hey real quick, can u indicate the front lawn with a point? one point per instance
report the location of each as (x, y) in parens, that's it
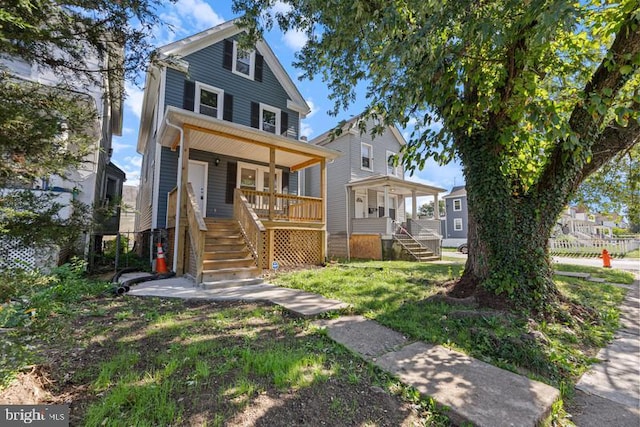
(393, 293)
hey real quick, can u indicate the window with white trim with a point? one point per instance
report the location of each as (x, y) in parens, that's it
(457, 205)
(208, 100)
(457, 224)
(366, 155)
(243, 61)
(256, 177)
(269, 119)
(392, 169)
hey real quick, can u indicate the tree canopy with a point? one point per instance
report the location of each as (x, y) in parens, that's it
(532, 96)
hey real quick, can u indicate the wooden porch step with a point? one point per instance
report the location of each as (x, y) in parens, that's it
(230, 274)
(218, 264)
(225, 254)
(224, 240)
(224, 247)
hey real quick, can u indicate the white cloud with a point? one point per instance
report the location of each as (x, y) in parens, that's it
(295, 39)
(281, 7)
(313, 106)
(133, 100)
(183, 19)
(119, 146)
(135, 161)
(306, 129)
(200, 12)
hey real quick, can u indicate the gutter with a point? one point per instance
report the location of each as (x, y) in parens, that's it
(176, 238)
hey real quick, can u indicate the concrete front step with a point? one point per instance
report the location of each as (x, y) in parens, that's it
(230, 274)
(223, 284)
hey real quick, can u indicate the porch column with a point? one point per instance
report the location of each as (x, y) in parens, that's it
(272, 178)
(181, 217)
(414, 205)
(436, 207)
(386, 201)
(323, 213)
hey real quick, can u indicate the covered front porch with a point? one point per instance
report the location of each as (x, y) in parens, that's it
(377, 212)
(228, 171)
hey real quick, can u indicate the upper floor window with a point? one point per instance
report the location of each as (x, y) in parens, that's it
(366, 151)
(209, 100)
(243, 61)
(457, 224)
(269, 119)
(392, 169)
(457, 205)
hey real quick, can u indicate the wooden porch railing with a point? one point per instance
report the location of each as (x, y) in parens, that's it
(172, 202)
(252, 228)
(286, 207)
(197, 230)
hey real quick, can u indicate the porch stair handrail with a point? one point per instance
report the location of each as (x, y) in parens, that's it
(427, 232)
(399, 229)
(250, 225)
(197, 229)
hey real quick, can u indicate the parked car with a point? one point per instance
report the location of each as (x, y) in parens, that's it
(463, 248)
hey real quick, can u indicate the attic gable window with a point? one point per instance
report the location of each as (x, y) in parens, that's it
(243, 61)
(209, 100)
(366, 151)
(269, 119)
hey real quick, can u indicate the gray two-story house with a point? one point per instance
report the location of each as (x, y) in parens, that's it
(219, 135)
(367, 198)
(456, 223)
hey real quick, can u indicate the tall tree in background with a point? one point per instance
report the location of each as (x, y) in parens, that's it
(427, 209)
(80, 43)
(615, 188)
(534, 96)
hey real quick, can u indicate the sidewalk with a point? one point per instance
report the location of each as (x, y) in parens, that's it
(609, 394)
(474, 391)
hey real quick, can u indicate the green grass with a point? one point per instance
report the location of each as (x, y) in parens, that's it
(394, 293)
(635, 254)
(149, 362)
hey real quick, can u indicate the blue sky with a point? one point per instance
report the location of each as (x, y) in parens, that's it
(188, 17)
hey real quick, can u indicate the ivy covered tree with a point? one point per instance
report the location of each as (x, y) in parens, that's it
(534, 96)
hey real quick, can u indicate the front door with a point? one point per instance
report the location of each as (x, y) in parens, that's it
(361, 204)
(198, 172)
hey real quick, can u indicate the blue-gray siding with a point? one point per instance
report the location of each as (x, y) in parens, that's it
(449, 232)
(216, 182)
(205, 66)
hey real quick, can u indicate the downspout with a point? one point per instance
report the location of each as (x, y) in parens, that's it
(176, 238)
(346, 195)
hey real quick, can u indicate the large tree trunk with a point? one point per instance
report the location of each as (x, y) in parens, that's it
(508, 234)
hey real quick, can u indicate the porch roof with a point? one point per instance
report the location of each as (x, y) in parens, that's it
(232, 139)
(396, 185)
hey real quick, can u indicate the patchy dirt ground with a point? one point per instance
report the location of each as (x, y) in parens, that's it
(353, 395)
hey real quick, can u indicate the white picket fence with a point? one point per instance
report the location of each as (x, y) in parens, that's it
(593, 246)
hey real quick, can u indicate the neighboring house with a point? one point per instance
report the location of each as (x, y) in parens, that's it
(367, 195)
(455, 225)
(578, 222)
(128, 212)
(97, 182)
(219, 135)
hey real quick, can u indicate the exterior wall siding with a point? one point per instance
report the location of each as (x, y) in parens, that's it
(205, 66)
(450, 232)
(145, 196)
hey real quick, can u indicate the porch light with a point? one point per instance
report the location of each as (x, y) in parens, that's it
(217, 161)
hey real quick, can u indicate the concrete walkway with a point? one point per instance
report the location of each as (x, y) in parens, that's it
(609, 394)
(475, 392)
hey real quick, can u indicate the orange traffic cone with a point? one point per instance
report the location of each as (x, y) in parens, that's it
(161, 265)
(606, 259)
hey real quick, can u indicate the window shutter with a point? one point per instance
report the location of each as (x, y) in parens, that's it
(284, 123)
(255, 115)
(257, 74)
(232, 174)
(189, 95)
(227, 57)
(227, 112)
(285, 183)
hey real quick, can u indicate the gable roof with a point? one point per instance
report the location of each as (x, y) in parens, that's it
(351, 126)
(459, 191)
(171, 55)
(199, 41)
